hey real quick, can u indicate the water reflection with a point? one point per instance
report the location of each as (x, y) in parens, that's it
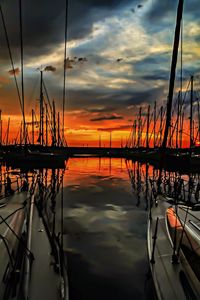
(105, 205)
(105, 208)
(105, 231)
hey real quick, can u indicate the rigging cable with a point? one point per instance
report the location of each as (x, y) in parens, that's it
(65, 68)
(11, 58)
(22, 70)
(31, 256)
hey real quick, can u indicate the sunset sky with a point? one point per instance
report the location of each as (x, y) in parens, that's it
(119, 55)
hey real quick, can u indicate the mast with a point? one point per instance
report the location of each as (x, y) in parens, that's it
(58, 128)
(41, 110)
(65, 69)
(154, 126)
(181, 129)
(20, 133)
(173, 71)
(177, 121)
(54, 124)
(0, 128)
(32, 126)
(135, 130)
(148, 123)
(8, 130)
(22, 72)
(191, 113)
(198, 122)
(46, 125)
(161, 124)
(139, 127)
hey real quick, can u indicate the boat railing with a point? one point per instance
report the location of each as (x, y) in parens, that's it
(152, 260)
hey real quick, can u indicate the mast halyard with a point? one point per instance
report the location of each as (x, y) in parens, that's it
(148, 124)
(173, 71)
(41, 134)
(64, 74)
(22, 73)
(191, 113)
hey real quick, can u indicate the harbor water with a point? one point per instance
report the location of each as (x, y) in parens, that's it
(100, 206)
(105, 224)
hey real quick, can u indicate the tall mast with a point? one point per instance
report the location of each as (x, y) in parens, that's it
(173, 71)
(110, 139)
(64, 75)
(154, 126)
(135, 131)
(46, 125)
(22, 72)
(32, 126)
(191, 113)
(177, 121)
(8, 131)
(41, 110)
(54, 124)
(58, 128)
(161, 124)
(139, 127)
(198, 122)
(0, 128)
(181, 129)
(20, 134)
(147, 131)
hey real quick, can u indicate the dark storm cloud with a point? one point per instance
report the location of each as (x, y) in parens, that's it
(146, 96)
(121, 101)
(153, 62)
(116, 128)
(100, 109)
(157, 75)
(155, 67)
(161, 9)
(43, 22)
(108, 117)
(50, 69)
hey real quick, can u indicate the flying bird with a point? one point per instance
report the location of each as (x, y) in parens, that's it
(82, 59)
(50, 69)
(139, 6)
(15, 71)
(68, 63)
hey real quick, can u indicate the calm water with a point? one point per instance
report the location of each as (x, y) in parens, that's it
(105, 231)
(106, 204)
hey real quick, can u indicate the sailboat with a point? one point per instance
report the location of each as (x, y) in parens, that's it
(32, 260)
(173, 248)
(12, 243)
(173, 235)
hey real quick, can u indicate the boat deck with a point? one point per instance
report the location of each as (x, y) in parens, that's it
(44, 283)
(9, 232)
(9, 205)
(166, 275)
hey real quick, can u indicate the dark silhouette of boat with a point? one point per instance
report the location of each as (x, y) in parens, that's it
(34, 159)
(173, 237)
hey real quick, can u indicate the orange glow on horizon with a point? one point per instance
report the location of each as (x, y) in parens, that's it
(85, 137)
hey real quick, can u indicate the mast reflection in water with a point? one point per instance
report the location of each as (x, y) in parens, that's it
(104, 230)
(106, 202)
(105, 206)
